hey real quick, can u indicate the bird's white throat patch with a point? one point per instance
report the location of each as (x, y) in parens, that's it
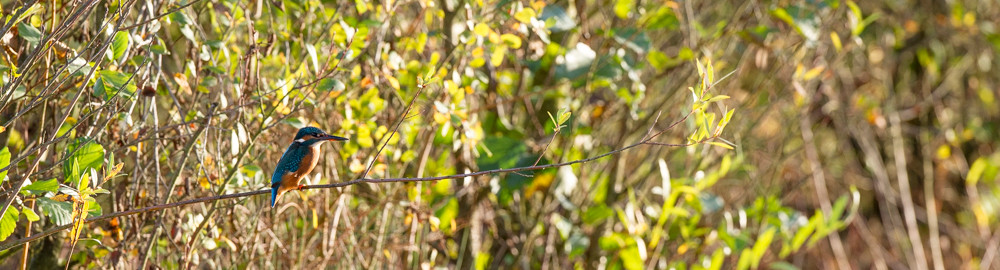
(300, 140)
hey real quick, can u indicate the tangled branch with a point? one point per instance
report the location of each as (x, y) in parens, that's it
(646, 140)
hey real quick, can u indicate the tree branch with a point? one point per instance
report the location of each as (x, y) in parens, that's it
(645, 141)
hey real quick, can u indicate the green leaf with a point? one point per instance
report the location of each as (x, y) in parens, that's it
(630, 257)
(110, 83)
(30, 214)
(557, 19)
(803, 233)
(159, 49)
(29, 33)
(61, 213)
(717, 98)
(328, 84)
(717, 259)
(634, 39)
(447, 213)
(79, 67)
(745, 258)
(578, 62)
(180, 18)
(761, 245)
(4, 162)
(39, 187)
(120, 45)
(723, 145)
(658, 59)
(976, 172)
(506, 153)
(361, 5)
(595, 214)
(8, 223)
(783, 266)
(87, 153)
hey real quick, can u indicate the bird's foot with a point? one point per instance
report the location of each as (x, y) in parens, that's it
(301, 187)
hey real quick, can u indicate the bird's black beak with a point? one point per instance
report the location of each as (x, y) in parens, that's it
(329, 137)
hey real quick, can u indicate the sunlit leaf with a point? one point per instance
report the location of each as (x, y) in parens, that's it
(524, 15)
(976, 172)
(4, 162)
(763, 242)
(8, 222)
(87, 153)
(630, 258)
(30, 214)
(835, 39)
(596, 214)
(623, 7)
(39, 187)
(511, 40)
(114, 84)
(120, 45)
(447, 213)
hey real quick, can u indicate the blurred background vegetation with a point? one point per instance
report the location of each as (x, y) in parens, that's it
(860, 134)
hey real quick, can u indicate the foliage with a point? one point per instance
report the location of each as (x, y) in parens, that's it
(739, 135)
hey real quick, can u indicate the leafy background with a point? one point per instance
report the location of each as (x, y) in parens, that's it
(856, 134)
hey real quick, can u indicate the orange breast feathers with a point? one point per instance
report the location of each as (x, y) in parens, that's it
(290, 180)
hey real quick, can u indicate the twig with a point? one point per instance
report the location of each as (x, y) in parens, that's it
(161, 15)
(903, 180)
(819, 183)
(420, 88)
(646, 141)
(177, 177)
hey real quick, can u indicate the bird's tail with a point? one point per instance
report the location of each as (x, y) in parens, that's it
(274, 194)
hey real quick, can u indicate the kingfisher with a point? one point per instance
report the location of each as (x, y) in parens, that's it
(298, 160)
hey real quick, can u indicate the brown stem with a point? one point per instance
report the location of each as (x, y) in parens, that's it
(646, 141)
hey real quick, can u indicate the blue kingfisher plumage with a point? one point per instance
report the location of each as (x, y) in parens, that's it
(298, 160)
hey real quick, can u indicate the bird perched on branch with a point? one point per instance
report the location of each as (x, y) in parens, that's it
(298, 160)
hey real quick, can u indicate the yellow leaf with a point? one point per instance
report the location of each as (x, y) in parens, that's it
(511, 40)
(203, 182)
(393, 82)
(540, 184)
(497, 58)
(356, 166)
(525, 15)
(836, 41)
(182, 83)
(943, 152)
(114, 171)
(482, 29)
(812, 73)
(378, 169)
(440, 118)
(2, 129)
(721, 145)
(79, 216)
(315, 219)
(477, 62)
